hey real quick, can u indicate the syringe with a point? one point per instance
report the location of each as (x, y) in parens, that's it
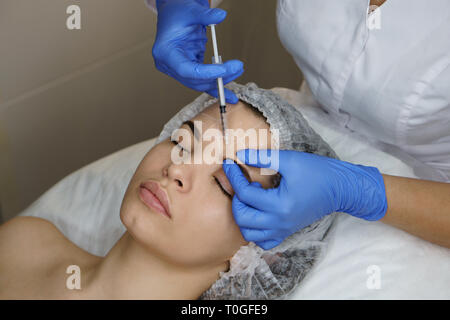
(218, 60)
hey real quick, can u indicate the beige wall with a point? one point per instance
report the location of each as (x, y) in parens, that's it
(68, 98)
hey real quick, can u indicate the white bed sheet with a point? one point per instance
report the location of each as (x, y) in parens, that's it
(85, 207)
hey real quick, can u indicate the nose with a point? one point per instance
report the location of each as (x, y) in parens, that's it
(180, 175)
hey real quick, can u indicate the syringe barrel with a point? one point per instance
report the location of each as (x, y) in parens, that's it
(220, 88)
(221, 92)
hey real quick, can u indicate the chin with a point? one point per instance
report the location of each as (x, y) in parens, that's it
(127, 218)
(130, 211)
(132, 221)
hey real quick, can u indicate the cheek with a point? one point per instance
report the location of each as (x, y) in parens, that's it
(207, 231)
(212, 207)
(216, 212)
(151, 166)
(206, 213)
(155, 159)
(219, 218)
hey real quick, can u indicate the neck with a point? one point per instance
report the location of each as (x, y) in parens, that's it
(377, 2)
(131, 271)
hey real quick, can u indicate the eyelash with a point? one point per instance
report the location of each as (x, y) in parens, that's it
(176, 143)
(222, 189)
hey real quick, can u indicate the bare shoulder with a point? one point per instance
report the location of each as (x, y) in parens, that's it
(34, 256)
(23, 230)
(28, 240)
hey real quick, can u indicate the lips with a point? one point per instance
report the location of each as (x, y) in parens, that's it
(155, 197)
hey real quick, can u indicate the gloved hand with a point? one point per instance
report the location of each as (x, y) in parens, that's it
(311, 187)
(180, 42)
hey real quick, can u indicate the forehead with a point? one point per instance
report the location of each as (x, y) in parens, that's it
(239, 116)
(242, 117)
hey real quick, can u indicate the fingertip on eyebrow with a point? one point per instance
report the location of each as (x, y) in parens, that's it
(243, 168)
(228, 161)
(244, 171)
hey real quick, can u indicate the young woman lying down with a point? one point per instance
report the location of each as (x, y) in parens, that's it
(181, 239)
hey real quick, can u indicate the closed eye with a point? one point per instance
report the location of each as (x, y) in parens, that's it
(178, 145)
(222, 189)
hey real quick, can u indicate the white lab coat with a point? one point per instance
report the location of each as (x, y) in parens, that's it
(390, 84)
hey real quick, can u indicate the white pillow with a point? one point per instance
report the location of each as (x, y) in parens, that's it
(85, 207)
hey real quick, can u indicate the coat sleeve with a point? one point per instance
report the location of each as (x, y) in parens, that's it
(152, 4)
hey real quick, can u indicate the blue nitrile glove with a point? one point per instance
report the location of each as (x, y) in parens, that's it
(180, 43)
(311, 187)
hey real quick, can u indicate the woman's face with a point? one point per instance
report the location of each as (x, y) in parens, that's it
(201, 230)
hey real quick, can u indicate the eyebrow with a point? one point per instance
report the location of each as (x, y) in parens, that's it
(194, 130)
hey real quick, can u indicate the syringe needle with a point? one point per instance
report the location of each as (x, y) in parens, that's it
(220, 88)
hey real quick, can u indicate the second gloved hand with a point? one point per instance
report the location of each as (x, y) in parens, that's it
(311, 187)
(180, 44)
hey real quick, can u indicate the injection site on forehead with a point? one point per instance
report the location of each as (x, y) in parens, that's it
(247, 129)
(240, 116)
